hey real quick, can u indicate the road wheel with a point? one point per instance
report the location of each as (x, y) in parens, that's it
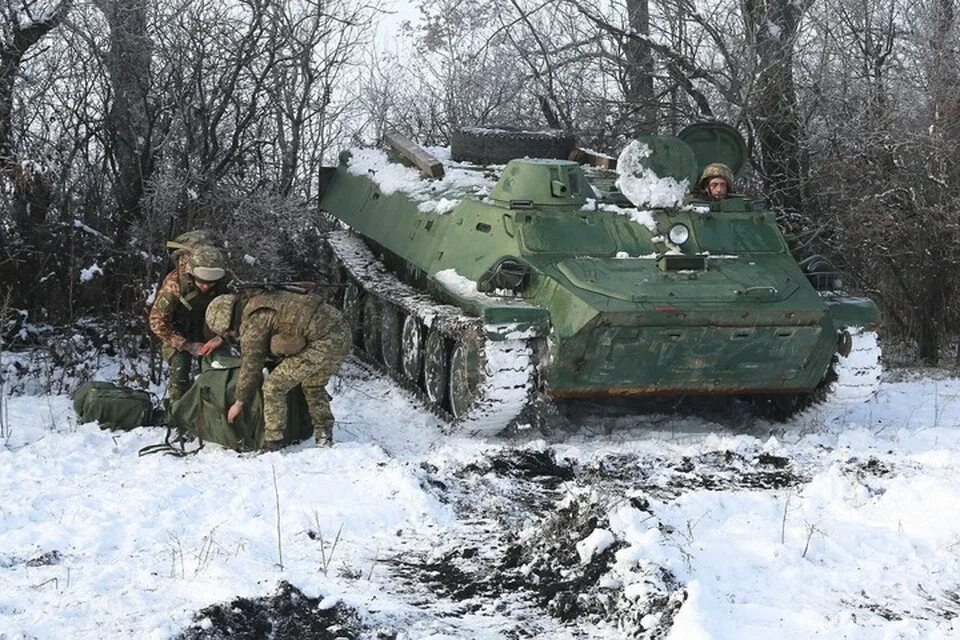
(372, 316)
(411, 344)
(390, 327)
(353, 308)
(466, 373)
(436, 369)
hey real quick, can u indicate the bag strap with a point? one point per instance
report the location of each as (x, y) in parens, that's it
(169, 448)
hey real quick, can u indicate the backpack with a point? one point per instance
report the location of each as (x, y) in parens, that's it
(202, 410)
(114, 407)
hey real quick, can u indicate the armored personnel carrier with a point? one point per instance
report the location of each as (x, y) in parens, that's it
(490, 289)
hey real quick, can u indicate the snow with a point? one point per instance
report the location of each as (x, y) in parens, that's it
(862, 546)
(441, 206)
(641, 185)
(457, 283)
(79, 224)
(640, 216)
(596, 543)
(435, 195)
(91, 272)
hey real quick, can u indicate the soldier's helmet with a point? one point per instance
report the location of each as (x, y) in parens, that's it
(716, 170)
(220, 313)
(185, 243)
(206, 264)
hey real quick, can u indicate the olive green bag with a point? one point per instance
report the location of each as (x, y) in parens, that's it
(114, 407)
(202, 410)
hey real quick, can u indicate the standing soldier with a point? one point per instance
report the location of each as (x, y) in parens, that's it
(308, 337)
(177, 314)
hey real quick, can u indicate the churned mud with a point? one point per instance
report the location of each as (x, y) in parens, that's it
(536, 508)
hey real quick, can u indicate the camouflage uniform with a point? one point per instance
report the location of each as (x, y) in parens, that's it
(177, 319)
(309, 338)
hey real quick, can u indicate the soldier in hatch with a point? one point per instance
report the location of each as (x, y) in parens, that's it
(716, 182)
(177, 314)
(308, 337)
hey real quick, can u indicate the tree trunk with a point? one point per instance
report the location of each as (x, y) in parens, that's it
(639, 70)
(128, 120)
(771, 31)
(944, 82)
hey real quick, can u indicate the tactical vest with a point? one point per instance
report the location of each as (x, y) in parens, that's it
(188, 316)
(301, 319)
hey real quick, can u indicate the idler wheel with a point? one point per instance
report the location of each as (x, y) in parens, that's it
(436, 369)
(390, 328)
(411, 341)
(372, 316)
(353, 308)
(465, 376)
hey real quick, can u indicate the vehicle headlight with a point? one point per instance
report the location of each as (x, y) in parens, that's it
(678, 234)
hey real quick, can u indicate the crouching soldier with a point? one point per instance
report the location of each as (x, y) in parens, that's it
(309, 338)
(177, 314)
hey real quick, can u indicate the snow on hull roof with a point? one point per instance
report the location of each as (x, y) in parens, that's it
(435, 195)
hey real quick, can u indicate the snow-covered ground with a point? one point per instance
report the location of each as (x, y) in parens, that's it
(839, 524)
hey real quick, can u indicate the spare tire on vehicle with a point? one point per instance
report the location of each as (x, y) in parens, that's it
(499, 145)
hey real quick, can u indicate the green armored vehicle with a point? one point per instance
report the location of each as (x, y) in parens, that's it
(491, 288)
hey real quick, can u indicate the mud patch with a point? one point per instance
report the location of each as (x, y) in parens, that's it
(948, 605)
(512, 486)
(45, 559)
(537, 466)
(573, 581)
(549, 568)
(725, 470)
(541, 538)
(288, 614)
(870, 467)
(667, 479)
(547, 564)
(869, 473)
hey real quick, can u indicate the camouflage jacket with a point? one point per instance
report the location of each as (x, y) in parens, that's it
(176, 316)
(266, 315)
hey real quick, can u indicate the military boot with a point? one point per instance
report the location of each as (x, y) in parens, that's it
(324, 435)
(271, 445)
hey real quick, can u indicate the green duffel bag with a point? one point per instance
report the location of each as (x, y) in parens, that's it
(114, 407)
(202, 410)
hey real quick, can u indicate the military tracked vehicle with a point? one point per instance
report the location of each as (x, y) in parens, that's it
(490, 289)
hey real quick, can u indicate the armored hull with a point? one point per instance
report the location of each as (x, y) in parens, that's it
(491, 288)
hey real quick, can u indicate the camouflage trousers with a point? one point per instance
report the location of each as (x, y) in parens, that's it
(180, 365)
(311, 369)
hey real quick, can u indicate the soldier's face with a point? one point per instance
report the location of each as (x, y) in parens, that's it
(717, 188)
(204, 285)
